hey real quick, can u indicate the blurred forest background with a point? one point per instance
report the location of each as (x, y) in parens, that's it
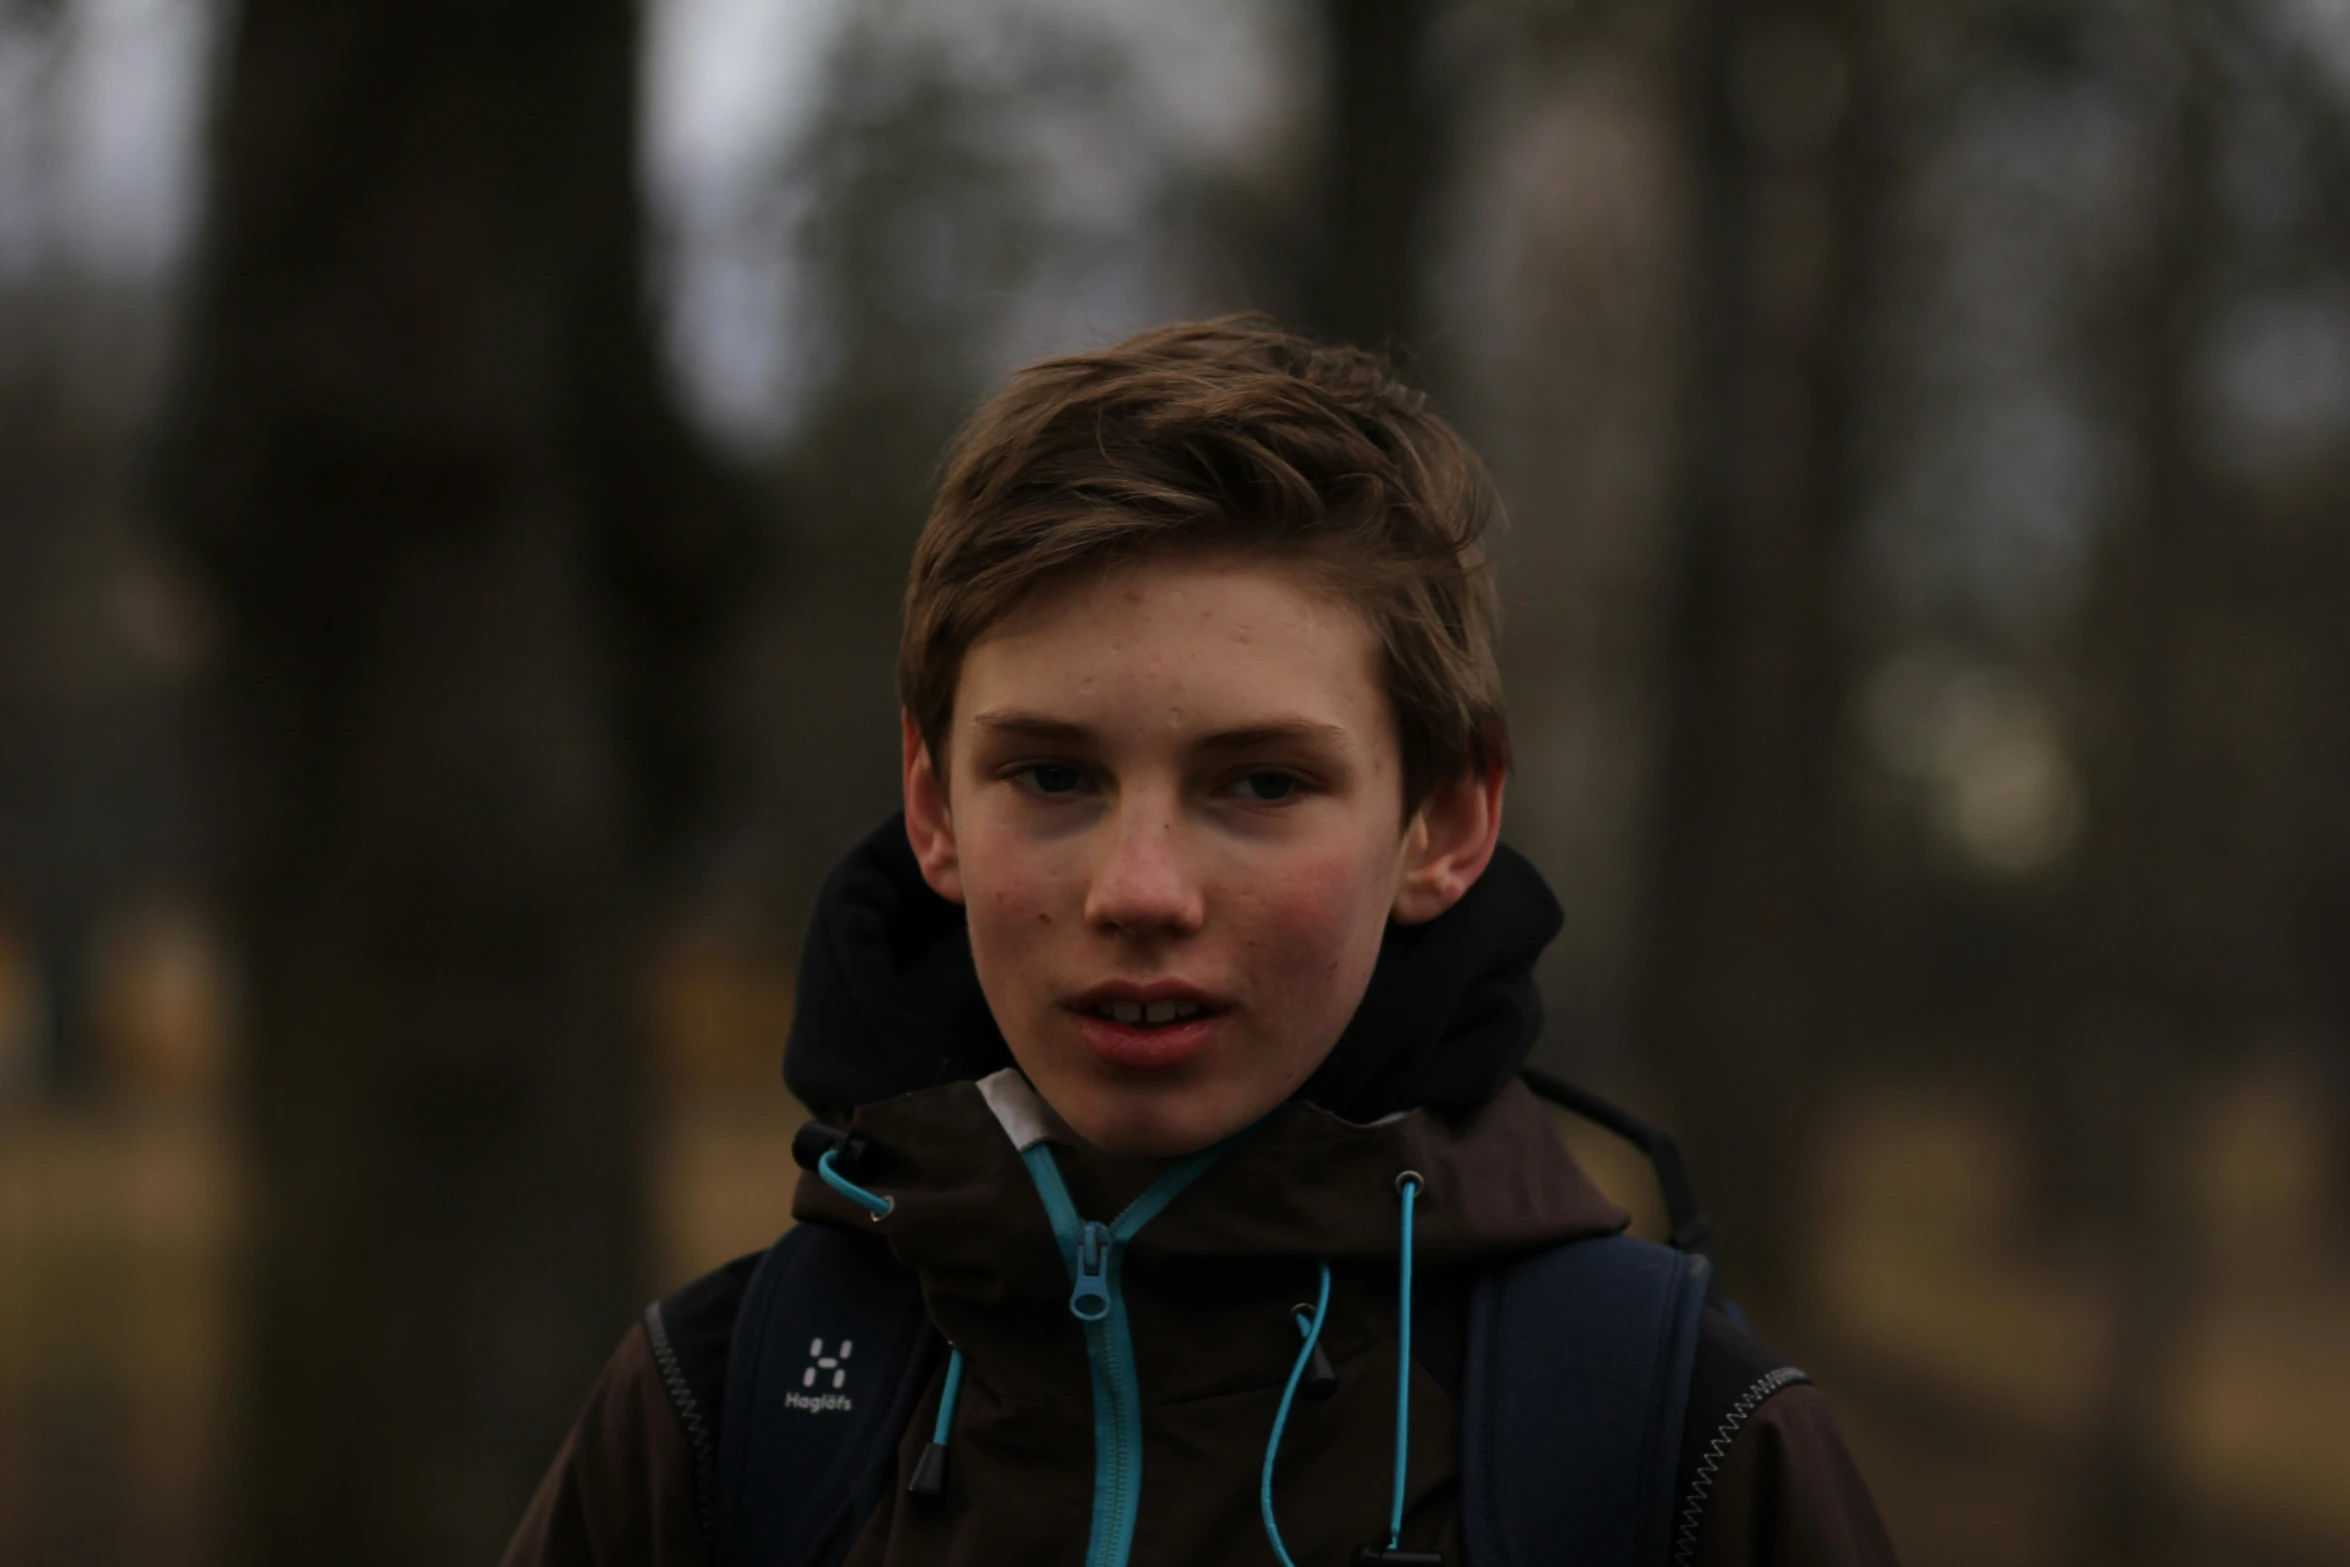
(457, 459)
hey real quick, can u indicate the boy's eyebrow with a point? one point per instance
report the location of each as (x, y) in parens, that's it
(1036, 726)
(1031, 726)
(1272, 733)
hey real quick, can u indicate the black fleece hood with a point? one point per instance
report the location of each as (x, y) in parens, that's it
(889, 1002)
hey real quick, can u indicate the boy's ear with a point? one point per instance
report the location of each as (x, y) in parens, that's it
(1447, 845)
(930, 827)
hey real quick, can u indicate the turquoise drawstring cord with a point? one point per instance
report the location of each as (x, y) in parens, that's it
(1312, 1328)
(930, 1467)
(947, 1397)
(876, 1206)
(1407, 1186)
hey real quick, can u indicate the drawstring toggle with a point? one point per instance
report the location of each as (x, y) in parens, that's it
(930, 1472)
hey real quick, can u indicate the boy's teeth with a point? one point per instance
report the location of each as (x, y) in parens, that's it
(1148, 1012)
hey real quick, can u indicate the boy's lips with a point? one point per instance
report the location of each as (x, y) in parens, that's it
(1147, 1048)
(1147, 1027)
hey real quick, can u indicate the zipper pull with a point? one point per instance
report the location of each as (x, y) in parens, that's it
(1090, 1300)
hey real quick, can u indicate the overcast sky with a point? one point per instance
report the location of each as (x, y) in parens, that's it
(100, 118)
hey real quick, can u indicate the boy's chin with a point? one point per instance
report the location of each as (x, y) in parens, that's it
(1149, 1120)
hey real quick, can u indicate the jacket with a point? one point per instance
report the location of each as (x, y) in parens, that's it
(892, 1041)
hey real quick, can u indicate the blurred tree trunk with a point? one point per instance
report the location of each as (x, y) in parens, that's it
(467, 559)
(1739, 927)
(2318, 584)
(2158, 976)
(1382, 137)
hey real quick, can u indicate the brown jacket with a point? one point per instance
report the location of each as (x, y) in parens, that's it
(1209, 1286)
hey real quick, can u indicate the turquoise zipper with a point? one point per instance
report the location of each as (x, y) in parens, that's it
(1095, 1253)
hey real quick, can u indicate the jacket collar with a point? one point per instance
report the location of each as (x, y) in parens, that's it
(1303, 1183)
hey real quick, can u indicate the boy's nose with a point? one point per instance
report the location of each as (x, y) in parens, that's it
(1142, 880)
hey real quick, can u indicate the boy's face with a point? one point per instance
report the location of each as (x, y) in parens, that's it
(1174, 818)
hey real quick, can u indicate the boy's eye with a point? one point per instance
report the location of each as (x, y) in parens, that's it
(1051, 778)
(1267, 787)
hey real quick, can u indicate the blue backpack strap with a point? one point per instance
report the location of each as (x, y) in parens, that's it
(1573, 1396)
(832, 1352)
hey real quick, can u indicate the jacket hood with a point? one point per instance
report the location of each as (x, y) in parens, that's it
(889, 1002)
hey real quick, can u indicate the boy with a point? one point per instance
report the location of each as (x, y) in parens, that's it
(1197, 915)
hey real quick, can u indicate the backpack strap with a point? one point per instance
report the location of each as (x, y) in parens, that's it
(688, 1333)
(1735, 1375)
(832, 1351)
(1574, 1394)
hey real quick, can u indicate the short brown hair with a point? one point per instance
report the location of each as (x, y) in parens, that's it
(1213, 437)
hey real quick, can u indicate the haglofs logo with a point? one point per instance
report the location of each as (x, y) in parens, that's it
(830, 1399)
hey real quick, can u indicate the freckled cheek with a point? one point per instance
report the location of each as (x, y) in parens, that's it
(1008, 880)
(1016, 910)
(1007, 916)
(1314, 933)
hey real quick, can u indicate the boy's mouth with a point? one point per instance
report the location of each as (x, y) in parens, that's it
(1136, 1028)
